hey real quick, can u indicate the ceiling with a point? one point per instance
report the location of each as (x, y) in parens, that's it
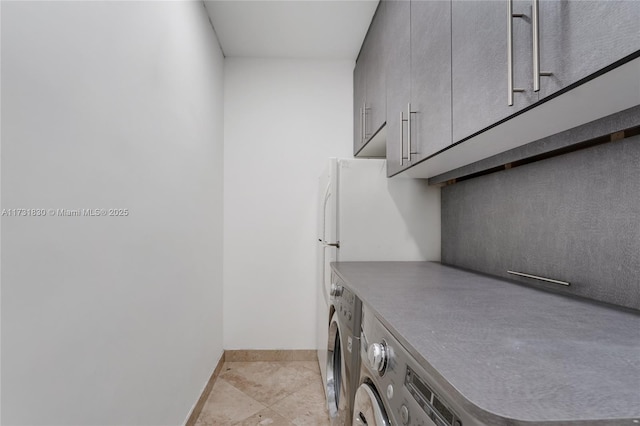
(318, 29)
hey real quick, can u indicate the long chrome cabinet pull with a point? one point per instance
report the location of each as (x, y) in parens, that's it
(535, 28)
(401, 144)
(361, 136)
(409, 112)
(510, 15)
(536, 277)
(364, 123)
(409, 132)
(408, 120)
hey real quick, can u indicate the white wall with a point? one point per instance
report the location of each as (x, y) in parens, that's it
(110, 320)
(283, 119)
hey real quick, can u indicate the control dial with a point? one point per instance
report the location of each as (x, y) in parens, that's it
(378, 356)
(336, 290)
(404, 414)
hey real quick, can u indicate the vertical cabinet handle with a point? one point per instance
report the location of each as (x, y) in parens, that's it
(535, 28)
(409, 132)
(361, 129)
(510, 15)
(361, 126)
(409, 112)
(536, 45)
(364, 123)
(401, 144)
(408, 120)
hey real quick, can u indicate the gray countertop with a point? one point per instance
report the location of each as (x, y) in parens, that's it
(513, 352)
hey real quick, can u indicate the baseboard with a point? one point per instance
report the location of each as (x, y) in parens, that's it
(197, 409)
(270, 355)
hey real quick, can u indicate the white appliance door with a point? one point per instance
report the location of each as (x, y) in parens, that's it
(385, 219)
(327, 222)
(326, 253)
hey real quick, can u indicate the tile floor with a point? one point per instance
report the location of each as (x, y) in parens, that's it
(266, 393)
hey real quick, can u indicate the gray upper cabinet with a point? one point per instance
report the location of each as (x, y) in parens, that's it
(472, 73)
(375, 84)
(579, 38)
(418, 81)
(398, 75)
(430, 77)
(358, 105)
(369, 84)
(480, 63)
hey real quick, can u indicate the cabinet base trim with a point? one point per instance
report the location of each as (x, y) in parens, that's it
(613, 137)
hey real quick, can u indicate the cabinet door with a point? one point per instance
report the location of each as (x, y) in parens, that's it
(579, 38)
(375, 83)
(479, 63)
(398, 69)
(430, 77)
(358, 105)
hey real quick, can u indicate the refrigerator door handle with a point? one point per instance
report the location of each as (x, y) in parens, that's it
(327, 194)
(326, 244)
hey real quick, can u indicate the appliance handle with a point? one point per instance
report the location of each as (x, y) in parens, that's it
(327, 195)
(326, 244)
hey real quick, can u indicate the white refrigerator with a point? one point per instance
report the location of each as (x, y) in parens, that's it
(365, 216)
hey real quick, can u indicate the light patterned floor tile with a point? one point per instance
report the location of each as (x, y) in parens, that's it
(265, 417)
(227, 405)
(268, 382)
(305, 407)
(311, 365)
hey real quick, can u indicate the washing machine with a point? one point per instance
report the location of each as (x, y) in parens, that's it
(394, 387)
(343, 353)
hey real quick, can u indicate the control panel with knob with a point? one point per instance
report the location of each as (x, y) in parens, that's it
(378, 356)
(346, 304)
(413, 397)
(404, 414)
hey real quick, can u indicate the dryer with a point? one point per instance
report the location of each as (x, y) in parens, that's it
(395, 388)
(343, 353)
